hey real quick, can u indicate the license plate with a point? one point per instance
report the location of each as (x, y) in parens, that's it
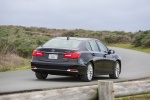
(53, 56)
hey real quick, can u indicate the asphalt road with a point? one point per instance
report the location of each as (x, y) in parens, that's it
(135, 65)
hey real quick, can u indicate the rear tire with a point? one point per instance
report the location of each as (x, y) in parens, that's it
(41, 76)
(87, 77)
(116, 71)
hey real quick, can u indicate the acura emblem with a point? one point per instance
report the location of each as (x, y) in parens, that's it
(53, 50)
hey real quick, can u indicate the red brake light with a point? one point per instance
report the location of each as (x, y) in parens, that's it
(72, 55)
(75, 55)
(37, 53)
(67, 55)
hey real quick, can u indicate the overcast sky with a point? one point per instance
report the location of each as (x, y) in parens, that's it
(113, 15)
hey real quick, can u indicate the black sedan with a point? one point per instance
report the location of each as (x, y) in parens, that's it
(83, 57)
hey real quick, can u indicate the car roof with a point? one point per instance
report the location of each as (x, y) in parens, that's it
(75, 38)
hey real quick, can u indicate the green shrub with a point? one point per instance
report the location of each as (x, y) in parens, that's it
(137, 41)
(117, 39)
(146, 41)
(25, 51)
(14, 39)
(69, 33)
(108, 38)
(142, 39)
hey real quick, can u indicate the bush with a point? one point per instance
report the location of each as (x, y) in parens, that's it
(69, 33)
(108, 38)
(137, 41)
(146, 41)
(117, 39)
(142, 39)
(25, 51)
(13, 39)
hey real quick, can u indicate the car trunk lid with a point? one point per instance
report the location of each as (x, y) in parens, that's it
(54, 54)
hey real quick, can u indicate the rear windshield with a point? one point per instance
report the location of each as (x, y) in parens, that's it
(62, 43)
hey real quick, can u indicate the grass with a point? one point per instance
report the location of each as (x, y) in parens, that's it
(137, 97)
(9, 68)
(27, 66)
(12, 62)
(129, 46)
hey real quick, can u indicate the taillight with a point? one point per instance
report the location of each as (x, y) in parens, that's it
(72, 55)
(37, 53)
(75, 55)
(67, 55)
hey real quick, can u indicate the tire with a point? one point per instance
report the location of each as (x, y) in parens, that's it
(116, 71)
(41, 76)
(87, 77)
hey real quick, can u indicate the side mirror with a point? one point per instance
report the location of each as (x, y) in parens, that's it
(111, 51)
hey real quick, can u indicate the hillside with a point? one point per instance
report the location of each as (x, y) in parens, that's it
(18, 42)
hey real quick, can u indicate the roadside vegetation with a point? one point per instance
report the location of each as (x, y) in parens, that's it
(137, 97)
(17, 42)
(129, 46)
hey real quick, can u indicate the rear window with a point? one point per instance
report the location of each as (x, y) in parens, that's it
(62, 43)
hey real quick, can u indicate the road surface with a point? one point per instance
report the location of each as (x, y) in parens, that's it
(135, 65)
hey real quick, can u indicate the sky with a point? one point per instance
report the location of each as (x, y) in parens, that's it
(111, 15)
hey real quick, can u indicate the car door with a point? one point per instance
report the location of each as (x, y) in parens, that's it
(108, 61)
(97, 57)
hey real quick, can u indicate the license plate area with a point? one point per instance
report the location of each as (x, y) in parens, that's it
(53, 56)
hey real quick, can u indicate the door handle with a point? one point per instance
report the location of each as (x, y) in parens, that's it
(105, 55)
(93, 54)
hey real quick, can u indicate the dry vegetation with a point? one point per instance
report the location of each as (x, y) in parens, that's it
(17, 42)
(137, 97)
(12, 62)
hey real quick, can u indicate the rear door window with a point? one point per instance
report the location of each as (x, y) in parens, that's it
(102, 47)
(88, 46)
(94, 46)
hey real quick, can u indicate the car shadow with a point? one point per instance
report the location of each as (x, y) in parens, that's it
(71, 79)
(63, 79)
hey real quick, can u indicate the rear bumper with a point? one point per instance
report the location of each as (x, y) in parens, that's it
(59, 68)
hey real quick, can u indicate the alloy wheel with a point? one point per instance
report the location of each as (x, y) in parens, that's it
(89, 72)
(117, 70)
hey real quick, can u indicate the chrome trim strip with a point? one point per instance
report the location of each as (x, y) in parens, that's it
(54, 70)
(54, 52)
(71, 71)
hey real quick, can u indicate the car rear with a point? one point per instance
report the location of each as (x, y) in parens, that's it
(59, 56)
